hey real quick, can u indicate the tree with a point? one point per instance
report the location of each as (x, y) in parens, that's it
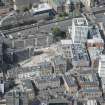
(17, 11)
(57, 33)
(25, 9)
(63, 14)
(11, 9)
(55, 30)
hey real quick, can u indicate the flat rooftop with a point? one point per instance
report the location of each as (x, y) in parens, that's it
(66, 42)
(80, 22)
(94, 52)
(94, 32)
(79, 52)
(87, 78)
(70, 80)
(89, 90)
(41, 7)
(47, 79)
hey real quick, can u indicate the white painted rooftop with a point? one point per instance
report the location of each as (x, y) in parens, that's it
(41, 7)
(80, 21)
(63, 42)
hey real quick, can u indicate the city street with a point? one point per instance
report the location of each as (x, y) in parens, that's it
(62, 24)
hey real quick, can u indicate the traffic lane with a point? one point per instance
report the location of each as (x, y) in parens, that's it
(62, 25)
(44, 28)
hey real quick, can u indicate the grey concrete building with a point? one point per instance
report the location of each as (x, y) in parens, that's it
(21, 4)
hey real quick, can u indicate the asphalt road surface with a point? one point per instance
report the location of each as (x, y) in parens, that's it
(44, 27)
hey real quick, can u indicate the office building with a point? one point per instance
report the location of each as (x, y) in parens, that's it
(95, 45)
(21, 4)
(58, 5)
(64, 5)
(70, 85)
(101, 68)
(65, 46)
(47, 82)
(103, 84)
(98, 43)
(45, 68)
(28, 72)
(18, 55)
(12, 98)
(16, 97)
(59, 64)
(89, 102)
(29, 37)
(5, 2)
(42, 11)
(69, 4)
(80, 56)
(88, 80)
(94, 54)
(79, 30)
(94, 38)
(20, 95)
(89, 93)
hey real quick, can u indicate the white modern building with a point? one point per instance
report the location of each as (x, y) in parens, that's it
(101, 68)
(42, 11)
(79, 30)
(41, 7)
